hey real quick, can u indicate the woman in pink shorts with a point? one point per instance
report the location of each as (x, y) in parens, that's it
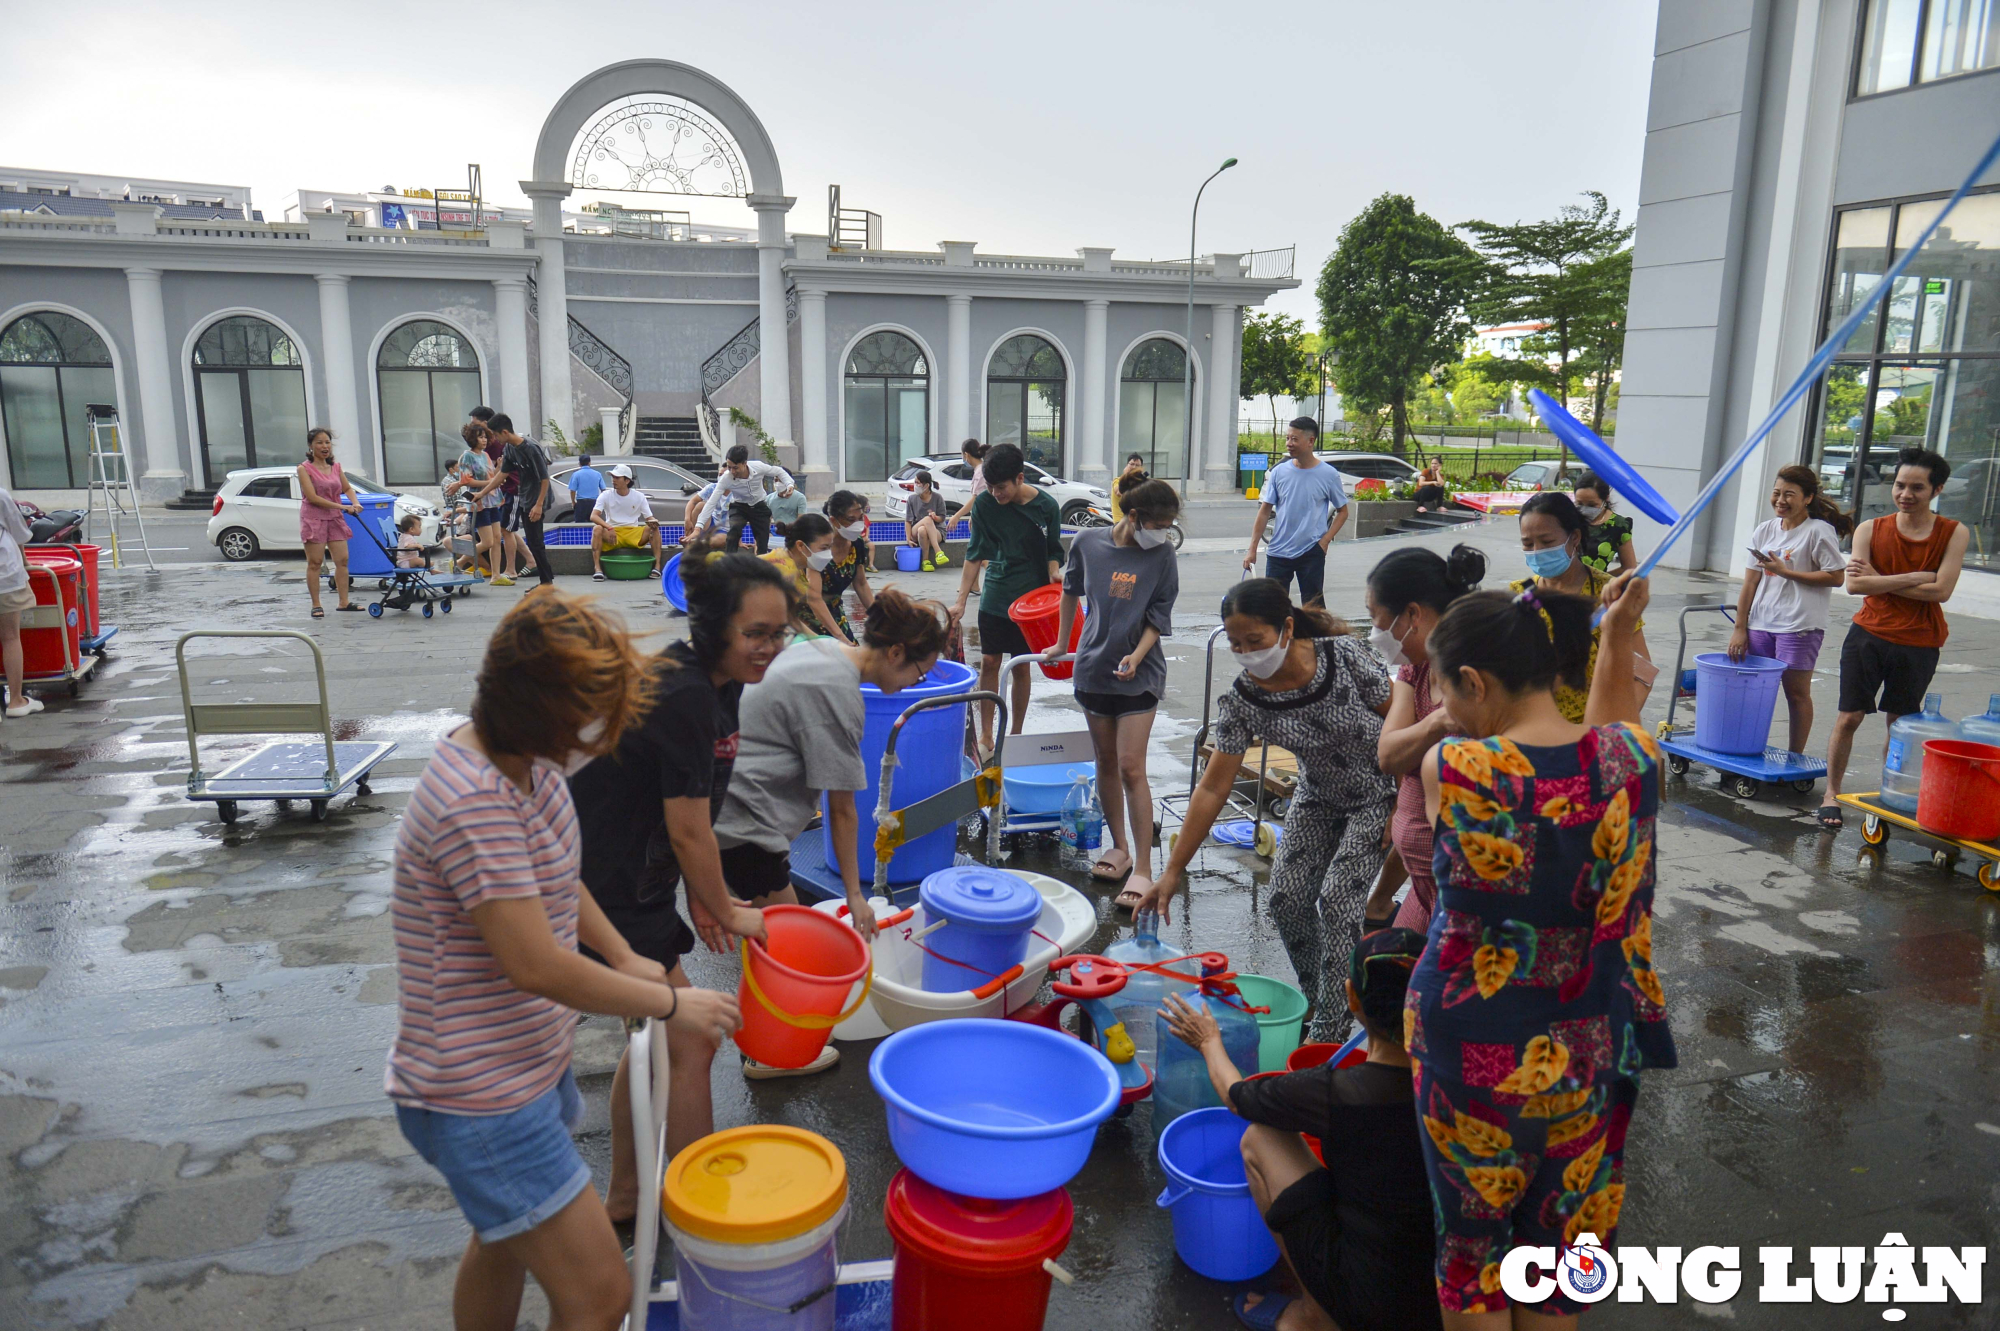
(1787, 594)
(325, 497)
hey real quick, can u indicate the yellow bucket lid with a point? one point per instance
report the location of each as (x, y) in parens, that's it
(760, 1184)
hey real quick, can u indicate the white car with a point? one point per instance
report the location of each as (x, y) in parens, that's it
(257, 509)
(665, 484)
(1362, 466)
(1543, 476)
(954, 485)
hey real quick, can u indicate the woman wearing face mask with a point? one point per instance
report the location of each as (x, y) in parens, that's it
(647, 815)
(1407, 592)
(1535, 1008)
(1607, 545)
(848, 512)
(1553, 533)
(1310, 687)
(1128, 575)
(807, 554)
(487, 920)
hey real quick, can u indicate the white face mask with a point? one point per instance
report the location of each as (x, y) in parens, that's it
(819, 559)
(1264, 663)
(1150, 537)
(1388, 646)
(853, 530)
(1591, 512)
(578, 758)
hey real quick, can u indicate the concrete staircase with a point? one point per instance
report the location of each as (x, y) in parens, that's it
(675, 438)
(1434, 521)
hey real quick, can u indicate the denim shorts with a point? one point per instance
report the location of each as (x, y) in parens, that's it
(509, 1172)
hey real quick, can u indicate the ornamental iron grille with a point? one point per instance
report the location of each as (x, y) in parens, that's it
(658, 145)
(1156, 360)
(52, 366)
(1026, 357)
(243, 340)
(49, 337)
(886, 353)
(426, 344)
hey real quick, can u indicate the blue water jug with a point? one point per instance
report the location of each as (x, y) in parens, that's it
(1984, 728)
(1903, 764)
(1180, 1081)
(1138, 1004)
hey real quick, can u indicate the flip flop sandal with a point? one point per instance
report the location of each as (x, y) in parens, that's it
(1263, 1317)
(349, 609)
(1830, 817)
(319, 612)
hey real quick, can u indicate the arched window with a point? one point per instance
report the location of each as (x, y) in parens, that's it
(250, 396)
(429, 380)
(888, 387)
(52, 366)
(1152, 408)
(1025, 385)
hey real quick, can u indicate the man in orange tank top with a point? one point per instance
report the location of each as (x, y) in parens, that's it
(1906, 567)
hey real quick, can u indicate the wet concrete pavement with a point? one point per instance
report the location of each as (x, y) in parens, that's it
(195, 1016)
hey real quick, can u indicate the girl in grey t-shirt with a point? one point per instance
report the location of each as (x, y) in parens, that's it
(1128, 575)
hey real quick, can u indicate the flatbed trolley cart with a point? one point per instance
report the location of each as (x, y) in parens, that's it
(1877, 818)
(405, 587)
(79, 663)
(1743, 774)
(1269, 786)
(861, 1289)
(95, 638)
(283, 770)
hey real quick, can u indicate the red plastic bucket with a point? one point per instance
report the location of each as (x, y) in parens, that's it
(1960, 796)
(794, 989)
(87, 556)
(1039, 614)
(51, 650)
(1312, 1056)
(963, 1262)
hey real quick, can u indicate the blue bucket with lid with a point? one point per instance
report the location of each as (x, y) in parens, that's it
(987, 918)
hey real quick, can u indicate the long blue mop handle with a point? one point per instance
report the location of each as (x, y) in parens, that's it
(1814, 368)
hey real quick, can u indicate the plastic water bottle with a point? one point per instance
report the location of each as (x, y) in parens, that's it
(1082, 824)
(1903, 764)
(1984, 728)
(1181, 1079)
(1138, 1004)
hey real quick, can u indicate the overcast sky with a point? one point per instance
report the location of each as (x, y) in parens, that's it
(1031, 129)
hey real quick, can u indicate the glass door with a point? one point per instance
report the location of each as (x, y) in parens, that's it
(225, 424)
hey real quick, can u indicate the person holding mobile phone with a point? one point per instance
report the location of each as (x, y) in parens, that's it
(1787, 592)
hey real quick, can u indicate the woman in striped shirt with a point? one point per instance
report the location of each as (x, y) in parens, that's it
(487, 916)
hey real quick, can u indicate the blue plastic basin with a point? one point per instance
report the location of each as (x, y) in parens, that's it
(671, 586)
(1042, 790)
(993, 1109)
(1217, 1229)
(927, 758)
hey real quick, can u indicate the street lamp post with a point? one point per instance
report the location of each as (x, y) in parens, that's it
(1187, 361)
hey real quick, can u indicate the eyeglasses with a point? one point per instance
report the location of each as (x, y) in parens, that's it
(766, 637)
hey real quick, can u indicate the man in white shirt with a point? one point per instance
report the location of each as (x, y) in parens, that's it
(739, 492)
(622, 518)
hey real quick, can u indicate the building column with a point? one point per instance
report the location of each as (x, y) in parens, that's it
(510, 319)
(343, 403)
(958, 425)
(613, 443)
(552, 304)
(1219, 460)
(156, 378)
(774, 361)
(815, 415)
(1096, 463)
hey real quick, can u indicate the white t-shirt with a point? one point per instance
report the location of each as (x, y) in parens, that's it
(630, 509)
(1783, 605)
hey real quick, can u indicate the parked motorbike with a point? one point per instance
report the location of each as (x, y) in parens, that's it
(62, 527)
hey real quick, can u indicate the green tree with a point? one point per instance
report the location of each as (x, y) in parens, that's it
(1392, 299)
(1274, 360)
(1473, 393)
(1599, 328)
(1563, 275)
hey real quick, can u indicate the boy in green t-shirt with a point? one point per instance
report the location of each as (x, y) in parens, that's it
(1018, 530)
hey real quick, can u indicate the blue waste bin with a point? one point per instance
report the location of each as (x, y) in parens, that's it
(378, 511)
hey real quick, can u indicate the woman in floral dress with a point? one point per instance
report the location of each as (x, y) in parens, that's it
(1535, 1007)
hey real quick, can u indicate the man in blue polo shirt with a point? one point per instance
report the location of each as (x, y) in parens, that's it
(1301, 491)
(585, 484)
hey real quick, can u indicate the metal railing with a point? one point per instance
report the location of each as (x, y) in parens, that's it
(1270, 265)
(726, 363)
(600, 359)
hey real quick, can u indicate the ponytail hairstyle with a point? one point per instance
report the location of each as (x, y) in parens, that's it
(1265, 599)
(1590, 480)
(716, 587)
(973, 449)
(1817, 504)
(1415, 576)
(897, 620)
(1526, 641)
(1151, 501)
(807, 528)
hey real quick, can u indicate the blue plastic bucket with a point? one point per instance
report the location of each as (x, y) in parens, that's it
(1217, 1229)
(908, 559)
(378, 511)
(1734, 701)
(671, 586)
(927, 758)
(993, 1109)
(988, 916)
(1042, 790)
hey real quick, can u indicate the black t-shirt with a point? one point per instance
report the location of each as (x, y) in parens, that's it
(1380, 1265)
(683, 748)
(525, 462)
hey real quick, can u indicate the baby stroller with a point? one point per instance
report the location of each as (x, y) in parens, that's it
(420, 586)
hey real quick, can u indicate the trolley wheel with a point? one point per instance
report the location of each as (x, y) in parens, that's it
(374, 609)
(1944, 859)
(1280, 807)
(445, 605)
(382, 584)
(1873, 830)
(427, 609)
(363, 788)
(75, 686)
(1804, 785)
(227, 810)
(319, 811)
(1989, 875)
(1677, 764)
(1265, 842)
(1744, 786)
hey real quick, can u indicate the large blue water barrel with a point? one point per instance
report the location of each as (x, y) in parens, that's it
(378, 513)
(927, 761)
